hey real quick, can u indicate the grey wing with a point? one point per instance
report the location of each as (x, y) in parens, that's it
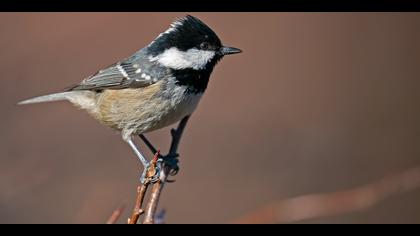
(133, 72)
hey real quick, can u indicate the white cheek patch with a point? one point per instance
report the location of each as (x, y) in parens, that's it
(176, 59)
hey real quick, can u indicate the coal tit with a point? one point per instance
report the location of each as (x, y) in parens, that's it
(155, 87)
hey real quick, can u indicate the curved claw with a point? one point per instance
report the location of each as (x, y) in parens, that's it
(174, 170)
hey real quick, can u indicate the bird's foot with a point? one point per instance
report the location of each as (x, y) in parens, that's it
(171, 161)
(151, 172)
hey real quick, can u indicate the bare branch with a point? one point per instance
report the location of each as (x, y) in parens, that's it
(151, 207)
(115, 215)
(137, 211)
(328, 204)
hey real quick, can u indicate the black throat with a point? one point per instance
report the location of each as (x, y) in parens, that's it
(195, 80)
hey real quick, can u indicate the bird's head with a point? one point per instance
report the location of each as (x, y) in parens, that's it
(188, 44)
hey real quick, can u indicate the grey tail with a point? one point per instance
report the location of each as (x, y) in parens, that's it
(49, 98)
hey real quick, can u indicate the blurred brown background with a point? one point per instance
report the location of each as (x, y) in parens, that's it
(318, 102)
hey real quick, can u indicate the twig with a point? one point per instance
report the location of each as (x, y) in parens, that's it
(328, 204)
(115, 215)
(137, 211)
(151, 207)
(156, 191)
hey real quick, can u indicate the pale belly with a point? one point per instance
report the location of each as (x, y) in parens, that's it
(168, 114)
(137, 111)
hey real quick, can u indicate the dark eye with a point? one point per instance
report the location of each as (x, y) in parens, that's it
(204, 45)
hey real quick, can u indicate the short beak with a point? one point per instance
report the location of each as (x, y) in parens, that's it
(229, 50)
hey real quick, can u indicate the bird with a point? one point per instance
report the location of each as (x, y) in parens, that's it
(155, 87)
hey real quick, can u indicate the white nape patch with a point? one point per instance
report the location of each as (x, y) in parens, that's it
(147, 77)
(176, 59)
(174, 26)
(122, 71)
(143, 75)
(138, 71)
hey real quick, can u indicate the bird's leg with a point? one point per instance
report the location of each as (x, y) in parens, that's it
(151, 169)
(170, 160)
(139, 155)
